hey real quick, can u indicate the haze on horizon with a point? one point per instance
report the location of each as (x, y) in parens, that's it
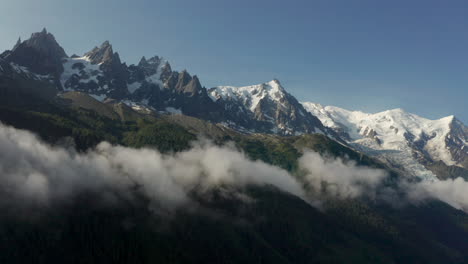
(369, 56)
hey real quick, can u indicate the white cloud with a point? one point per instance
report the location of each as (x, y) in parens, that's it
(333, 177)
(36, 172)
(451, 191)
(30, 168)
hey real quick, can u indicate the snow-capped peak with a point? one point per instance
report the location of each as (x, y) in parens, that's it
(249, 95)
(395, 134)
(269, 105)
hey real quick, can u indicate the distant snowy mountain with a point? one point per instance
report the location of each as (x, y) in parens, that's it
(403, 140)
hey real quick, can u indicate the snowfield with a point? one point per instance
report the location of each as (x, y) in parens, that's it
(394, 136)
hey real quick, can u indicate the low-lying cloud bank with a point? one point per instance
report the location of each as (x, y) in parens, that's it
(33, 171)
(333, 177)
(451, 191)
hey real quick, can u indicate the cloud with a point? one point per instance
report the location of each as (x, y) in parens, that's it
(33, 172)
(333, 177)
(451, 191)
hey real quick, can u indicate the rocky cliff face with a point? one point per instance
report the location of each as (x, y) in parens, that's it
(457, 142)
(40, 54)
(99, 72)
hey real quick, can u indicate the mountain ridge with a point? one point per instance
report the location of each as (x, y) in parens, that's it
(152, 82)
(153, 85)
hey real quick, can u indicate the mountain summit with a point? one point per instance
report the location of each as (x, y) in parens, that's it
(40, 53)
(422, 147)
(103, 54)
(269, 105)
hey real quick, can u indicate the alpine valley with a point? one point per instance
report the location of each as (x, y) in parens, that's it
(396, 204)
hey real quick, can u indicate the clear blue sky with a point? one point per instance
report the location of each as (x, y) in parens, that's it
(362, 55)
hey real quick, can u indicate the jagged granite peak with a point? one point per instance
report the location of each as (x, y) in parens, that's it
(166, 72)
(193, 87)
(399, 137)
(116, 58)
(155, 60)
(150, 66)
(45, 43)
(183, 80)
(143, 62)
(40, 54)
(18, 42)
(103, 54)
(151, 62)
(100, 73)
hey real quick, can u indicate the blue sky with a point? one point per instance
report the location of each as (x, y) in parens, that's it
(361, 55)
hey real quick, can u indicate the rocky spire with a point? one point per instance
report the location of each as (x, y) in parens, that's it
(155, 60)
(193, 87)
(17, 43)
(151, 64)
(46, 44)
(143, 62)
(103, 54)
(40, 53)
(166, 71)
(183, 80)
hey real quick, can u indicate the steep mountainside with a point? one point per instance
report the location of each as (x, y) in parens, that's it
(405, 140)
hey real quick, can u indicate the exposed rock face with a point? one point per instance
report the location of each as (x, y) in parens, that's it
(40, 54)
(99, 72)
(457, 141)
(153, 82)
(20, 87)
(101, 55)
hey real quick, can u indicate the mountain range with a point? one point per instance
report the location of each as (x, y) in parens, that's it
(414, 145)
(107, 162)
